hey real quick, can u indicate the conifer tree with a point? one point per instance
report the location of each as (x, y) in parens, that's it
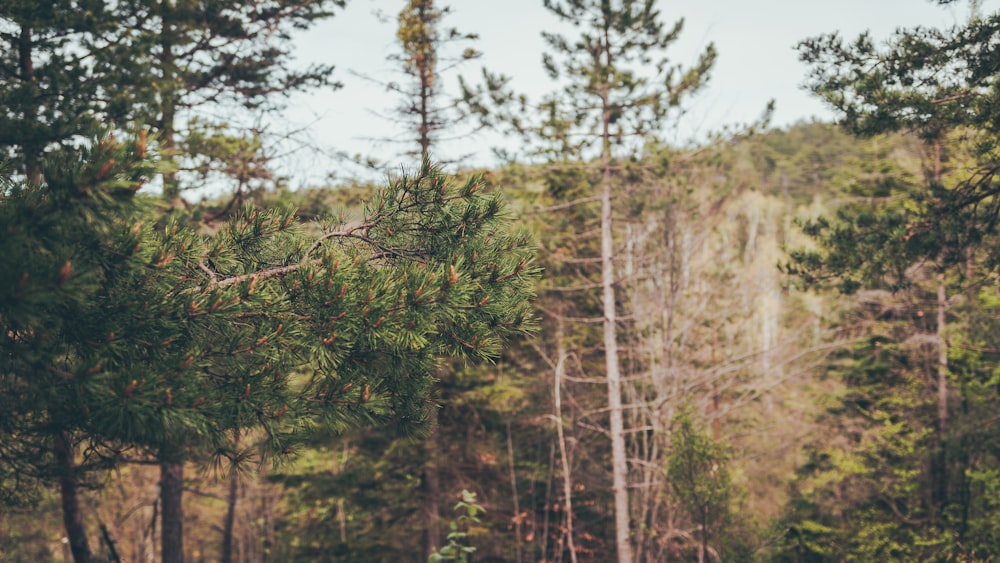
(430, 52)
(66, 65)
(175, 55)
(47, 91)
(431, 115)
(619, 89)
(165, 343)
(421, 40)
(928, 244)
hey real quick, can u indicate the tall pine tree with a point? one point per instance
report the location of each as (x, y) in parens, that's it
(619, 88)
(932, 246)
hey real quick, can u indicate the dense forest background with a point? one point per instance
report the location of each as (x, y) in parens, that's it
(772, 344)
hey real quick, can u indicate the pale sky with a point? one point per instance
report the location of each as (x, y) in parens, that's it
(755, 40)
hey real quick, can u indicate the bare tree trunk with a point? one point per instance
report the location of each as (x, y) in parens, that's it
(342, 520)
(703, 545)
(942, 309)
(110, 543)
(341, 511)
(72, 515)
(560, 371)
(230, 518)
(939, 462)
(227, 526)
(31, 148)
(513, 490)
(172, 510)
(148, 540)
(548, 501)
(942, 348)
(619, 461)
(168, 105)
(432, 483)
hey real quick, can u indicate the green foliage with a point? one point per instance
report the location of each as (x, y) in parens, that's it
(70, 64)
(619, 58)
(64, 254)
(380, 480)
(430, 116)
(137, 337)
(217, 153)
(910, 452)
(926, 80)
(886, 482)
(456, 548)
(699, 478)
(938, 85)
(46, 88)
(913, 441)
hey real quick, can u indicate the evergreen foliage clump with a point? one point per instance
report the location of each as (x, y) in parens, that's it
(142, 338)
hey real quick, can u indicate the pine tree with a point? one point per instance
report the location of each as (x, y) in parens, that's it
(620, 88)
(182, 343)
(929, 245)
(431, 115)
(63, 247)
(47, 92)
(72, 63)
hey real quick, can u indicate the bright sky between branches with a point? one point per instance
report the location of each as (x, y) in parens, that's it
(755, 38)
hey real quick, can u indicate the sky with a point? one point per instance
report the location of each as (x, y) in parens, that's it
(757, 62)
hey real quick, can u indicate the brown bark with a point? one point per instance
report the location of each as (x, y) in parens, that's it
(939, 459)
(942, 348)
(432, 484)
(110, 543)
(425, 69)
(615, 410)
(547, 501)
(514, 495)
(942, 310)
(69, 494)
(227, 525)
(424, 130)
(172, 510)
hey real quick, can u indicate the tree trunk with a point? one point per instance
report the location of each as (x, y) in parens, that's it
(168, 105)
(514, 495)
(549, 476)
(619, 467)
(227, 526)
(72, 515)
(426, 69)
(26, 66)
(939, 461)
(432, 483)
(942, 346)
(939, 465)
(564, 458)
(110, 543)
(619, 461)
(172, 510)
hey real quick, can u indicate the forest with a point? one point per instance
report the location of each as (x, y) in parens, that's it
(772, 344)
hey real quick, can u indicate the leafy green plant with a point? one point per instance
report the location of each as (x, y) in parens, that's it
(469, 510)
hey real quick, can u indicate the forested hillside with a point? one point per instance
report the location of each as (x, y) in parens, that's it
(772, 344)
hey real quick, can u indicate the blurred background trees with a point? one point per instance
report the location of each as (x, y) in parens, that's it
(304, 367)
